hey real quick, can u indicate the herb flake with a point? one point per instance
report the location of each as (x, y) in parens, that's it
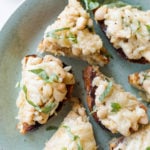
(72, 38)
(64, 148)
(54, 34)
(75, 138)
(44, 76)
(148, 28)
(118, 3)
(91, 4)
(53, 78)
(18, 85)
(148, 148)
(106, 91)
(51, 128)
(146, 76)
(29, 101)
(48, 107)
(115, 107)
(45, 109)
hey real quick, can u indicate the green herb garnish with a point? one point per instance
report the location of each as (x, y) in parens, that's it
(51, 128)
(79, 146)
(43, 75)
(108, 55)
(146, 76)
(115, 107)
(53, 78)
(91, 4)
(29, 101)
(72, 38)
(106, 91)
(148, 28)
(54, 34)
(61, 29)
(118, 3)
(64, 148)
(139, 26)
(75, 138)
(45, 109)
(48, 107)
(148, 148)
(18, 85)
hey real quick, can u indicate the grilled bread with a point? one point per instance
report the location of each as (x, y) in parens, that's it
(137, 141)
(72, 34)
(75, 132)
(141, 80)
(45, 84)
(128, 29)
(114, 108)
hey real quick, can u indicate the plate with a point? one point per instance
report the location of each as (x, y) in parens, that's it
(19, 37)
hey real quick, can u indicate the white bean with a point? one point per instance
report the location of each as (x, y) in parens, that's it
(81, 23)
(100, 13)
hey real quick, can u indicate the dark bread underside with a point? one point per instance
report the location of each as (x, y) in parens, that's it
(88, 75)
(120, 51)
(26, 126)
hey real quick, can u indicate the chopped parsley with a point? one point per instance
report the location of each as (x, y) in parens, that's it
(72, 38)
(44, 76)
(18, 85)
(146, 76)
(115, 107)
(139, 26)
(148, 148)
(108, 55)
(45, 109)
(118, 3)
(75, 138)
(148, 28)
(53, 78)
(106, 91)
(51, 128)
(91, 4)
(48, 107)
(64, 148)
(55, 34)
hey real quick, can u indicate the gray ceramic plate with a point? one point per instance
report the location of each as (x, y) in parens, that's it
(19, 37)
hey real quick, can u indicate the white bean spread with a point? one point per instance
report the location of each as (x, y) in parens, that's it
(73, 34)
(128, 29)
(43, 86)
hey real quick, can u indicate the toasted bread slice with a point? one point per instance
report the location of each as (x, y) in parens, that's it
(45, 84)
(72, 34)
(139, 141)
(75, 132)
(128, 29)
(141, 80)
(119, 111)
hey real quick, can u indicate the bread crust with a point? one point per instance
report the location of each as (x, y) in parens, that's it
(104, 108)
(120, 51)
(25, 127)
